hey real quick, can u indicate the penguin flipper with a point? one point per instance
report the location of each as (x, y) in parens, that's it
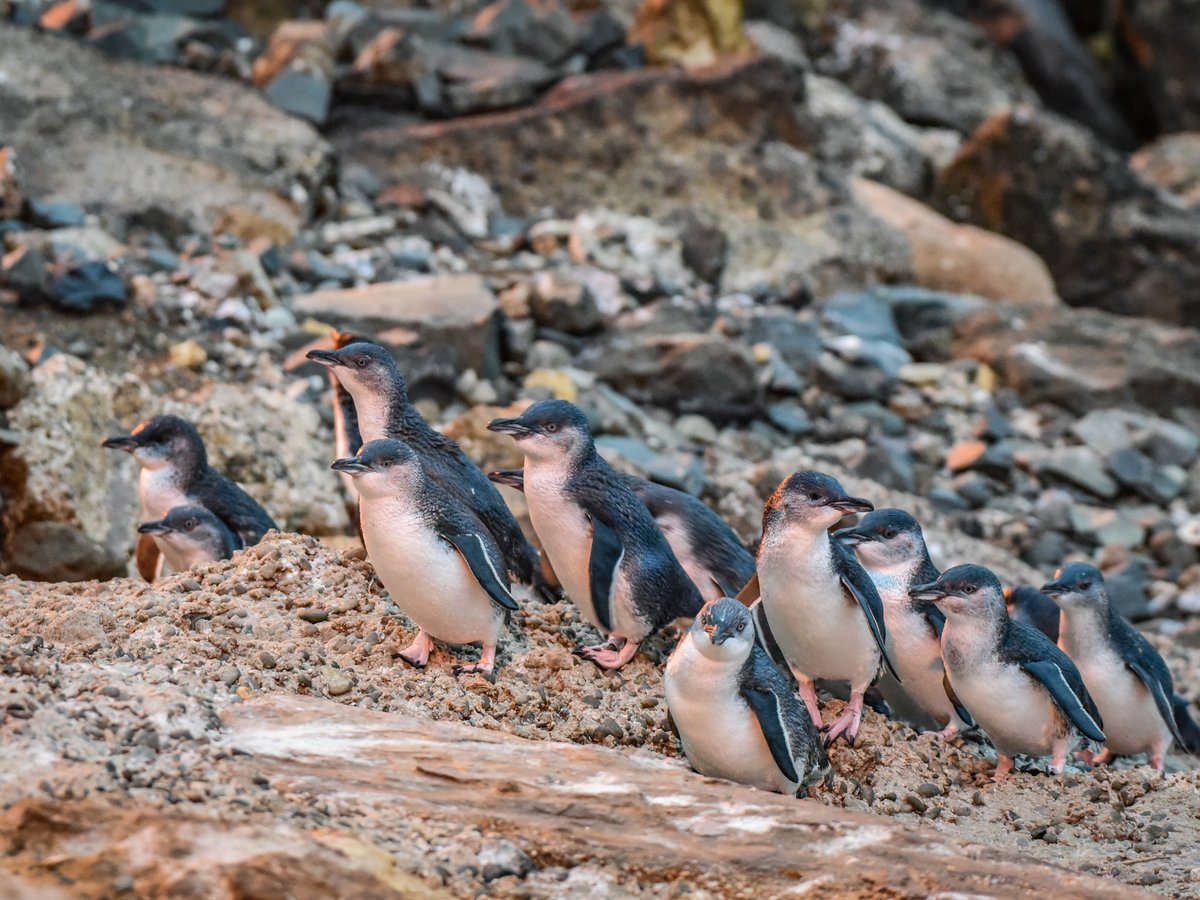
(149, 557)
(1074, 702)
(766, 709)
(475, 555)
(856, 580)
(936, 619)
(958, 707)
(766, 637)
(1161, 699)
(607, 553)
(751, 592)
(513, 478)
(1185, 724)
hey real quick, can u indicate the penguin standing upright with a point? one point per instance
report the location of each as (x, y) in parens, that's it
(1023, 691)
(735, 713)
(1125, 675)
(383, 410)
(891, 547)
(612, 560)
(821, 604)
(440, 564)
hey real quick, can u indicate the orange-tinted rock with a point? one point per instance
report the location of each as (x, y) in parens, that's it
(689, 32)
(964, 455)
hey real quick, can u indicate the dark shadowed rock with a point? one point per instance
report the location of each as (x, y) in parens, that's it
(697, 373)
(1055, 61)
(1162, 36)
(58, 551)
(23, 271)
(14, 377)
(563, 303)
(1112, 240)
(87, 286)
(542, 29)
(1138, 472)
(128, 143)
(303, 89)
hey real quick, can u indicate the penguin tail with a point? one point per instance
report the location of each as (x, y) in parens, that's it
(1189, 730)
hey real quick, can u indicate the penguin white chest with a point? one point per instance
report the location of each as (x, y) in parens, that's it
(701, 575)
(160, 492)
(181, 554)
(564, 531)
(719, 731)
(427, 578)
(914, 649)
(822, 632)
(1132, 723)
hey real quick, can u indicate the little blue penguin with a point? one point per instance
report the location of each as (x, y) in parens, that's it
(440, 564)
(735, 713)
(190, 535)
(1019, 688)
(612, 560)
(1123, 672)
(175, 472)
(383, 410)
(891, 547)
(821, 604)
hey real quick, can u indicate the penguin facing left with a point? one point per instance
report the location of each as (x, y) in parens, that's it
(440, 564)
(736, 716)
(612, 560)
(891, 547)
(190, 535)
(175, 472)
(1123, 672)
(1023, 691)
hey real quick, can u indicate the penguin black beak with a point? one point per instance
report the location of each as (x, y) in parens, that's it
(327, 358)
(852, 537)
(932, 592)
(852, 505)
(514, 478)
(159, 527)
(515, 427)
(351, 465)
(125, 442)
(1054, 589)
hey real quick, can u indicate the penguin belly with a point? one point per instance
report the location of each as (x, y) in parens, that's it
(427, 578)
(720, 734)
(822, 632)
(918, 658)
(1132, 723)
(160, 492)
(181, 556)
(1010, 705)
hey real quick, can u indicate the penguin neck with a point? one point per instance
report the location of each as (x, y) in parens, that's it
(893, 581)
(799, 541)
(383, 414)
(977, 635)
(1083, 630)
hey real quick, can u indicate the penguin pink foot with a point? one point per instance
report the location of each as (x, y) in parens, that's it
(847, 723)
(949, 733)
(417, 653)
(1004, 765)
(611, 655)
(485, 666)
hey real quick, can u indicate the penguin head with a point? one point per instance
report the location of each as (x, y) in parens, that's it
(382, 467)
(549, 429)
(162, 441)
(724, 630)
(364, 369)
(1078, 586)
(190, 528)
(969, 591)
(886, 539)
(813, 499)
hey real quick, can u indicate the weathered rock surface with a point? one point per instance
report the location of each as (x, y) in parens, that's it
(99, 132)
(1112, 240)
(1172, 161)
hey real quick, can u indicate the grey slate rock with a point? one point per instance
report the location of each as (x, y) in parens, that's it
(86, 286)
(1138, 472)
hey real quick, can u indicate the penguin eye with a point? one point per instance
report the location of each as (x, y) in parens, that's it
(1085, 585)
(387, 463)
(814, 496)
(970, 588)
(741, 627)
(361, 362)
(190, 524)
(552, 428)
(888, 533)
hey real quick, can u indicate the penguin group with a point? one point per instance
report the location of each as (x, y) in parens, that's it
(825, 599)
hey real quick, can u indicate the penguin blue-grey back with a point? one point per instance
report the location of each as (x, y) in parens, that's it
(440, 564)
(610, 556)
(384, 410)
(1022, 690)
(734, 712)
(1125, 675)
